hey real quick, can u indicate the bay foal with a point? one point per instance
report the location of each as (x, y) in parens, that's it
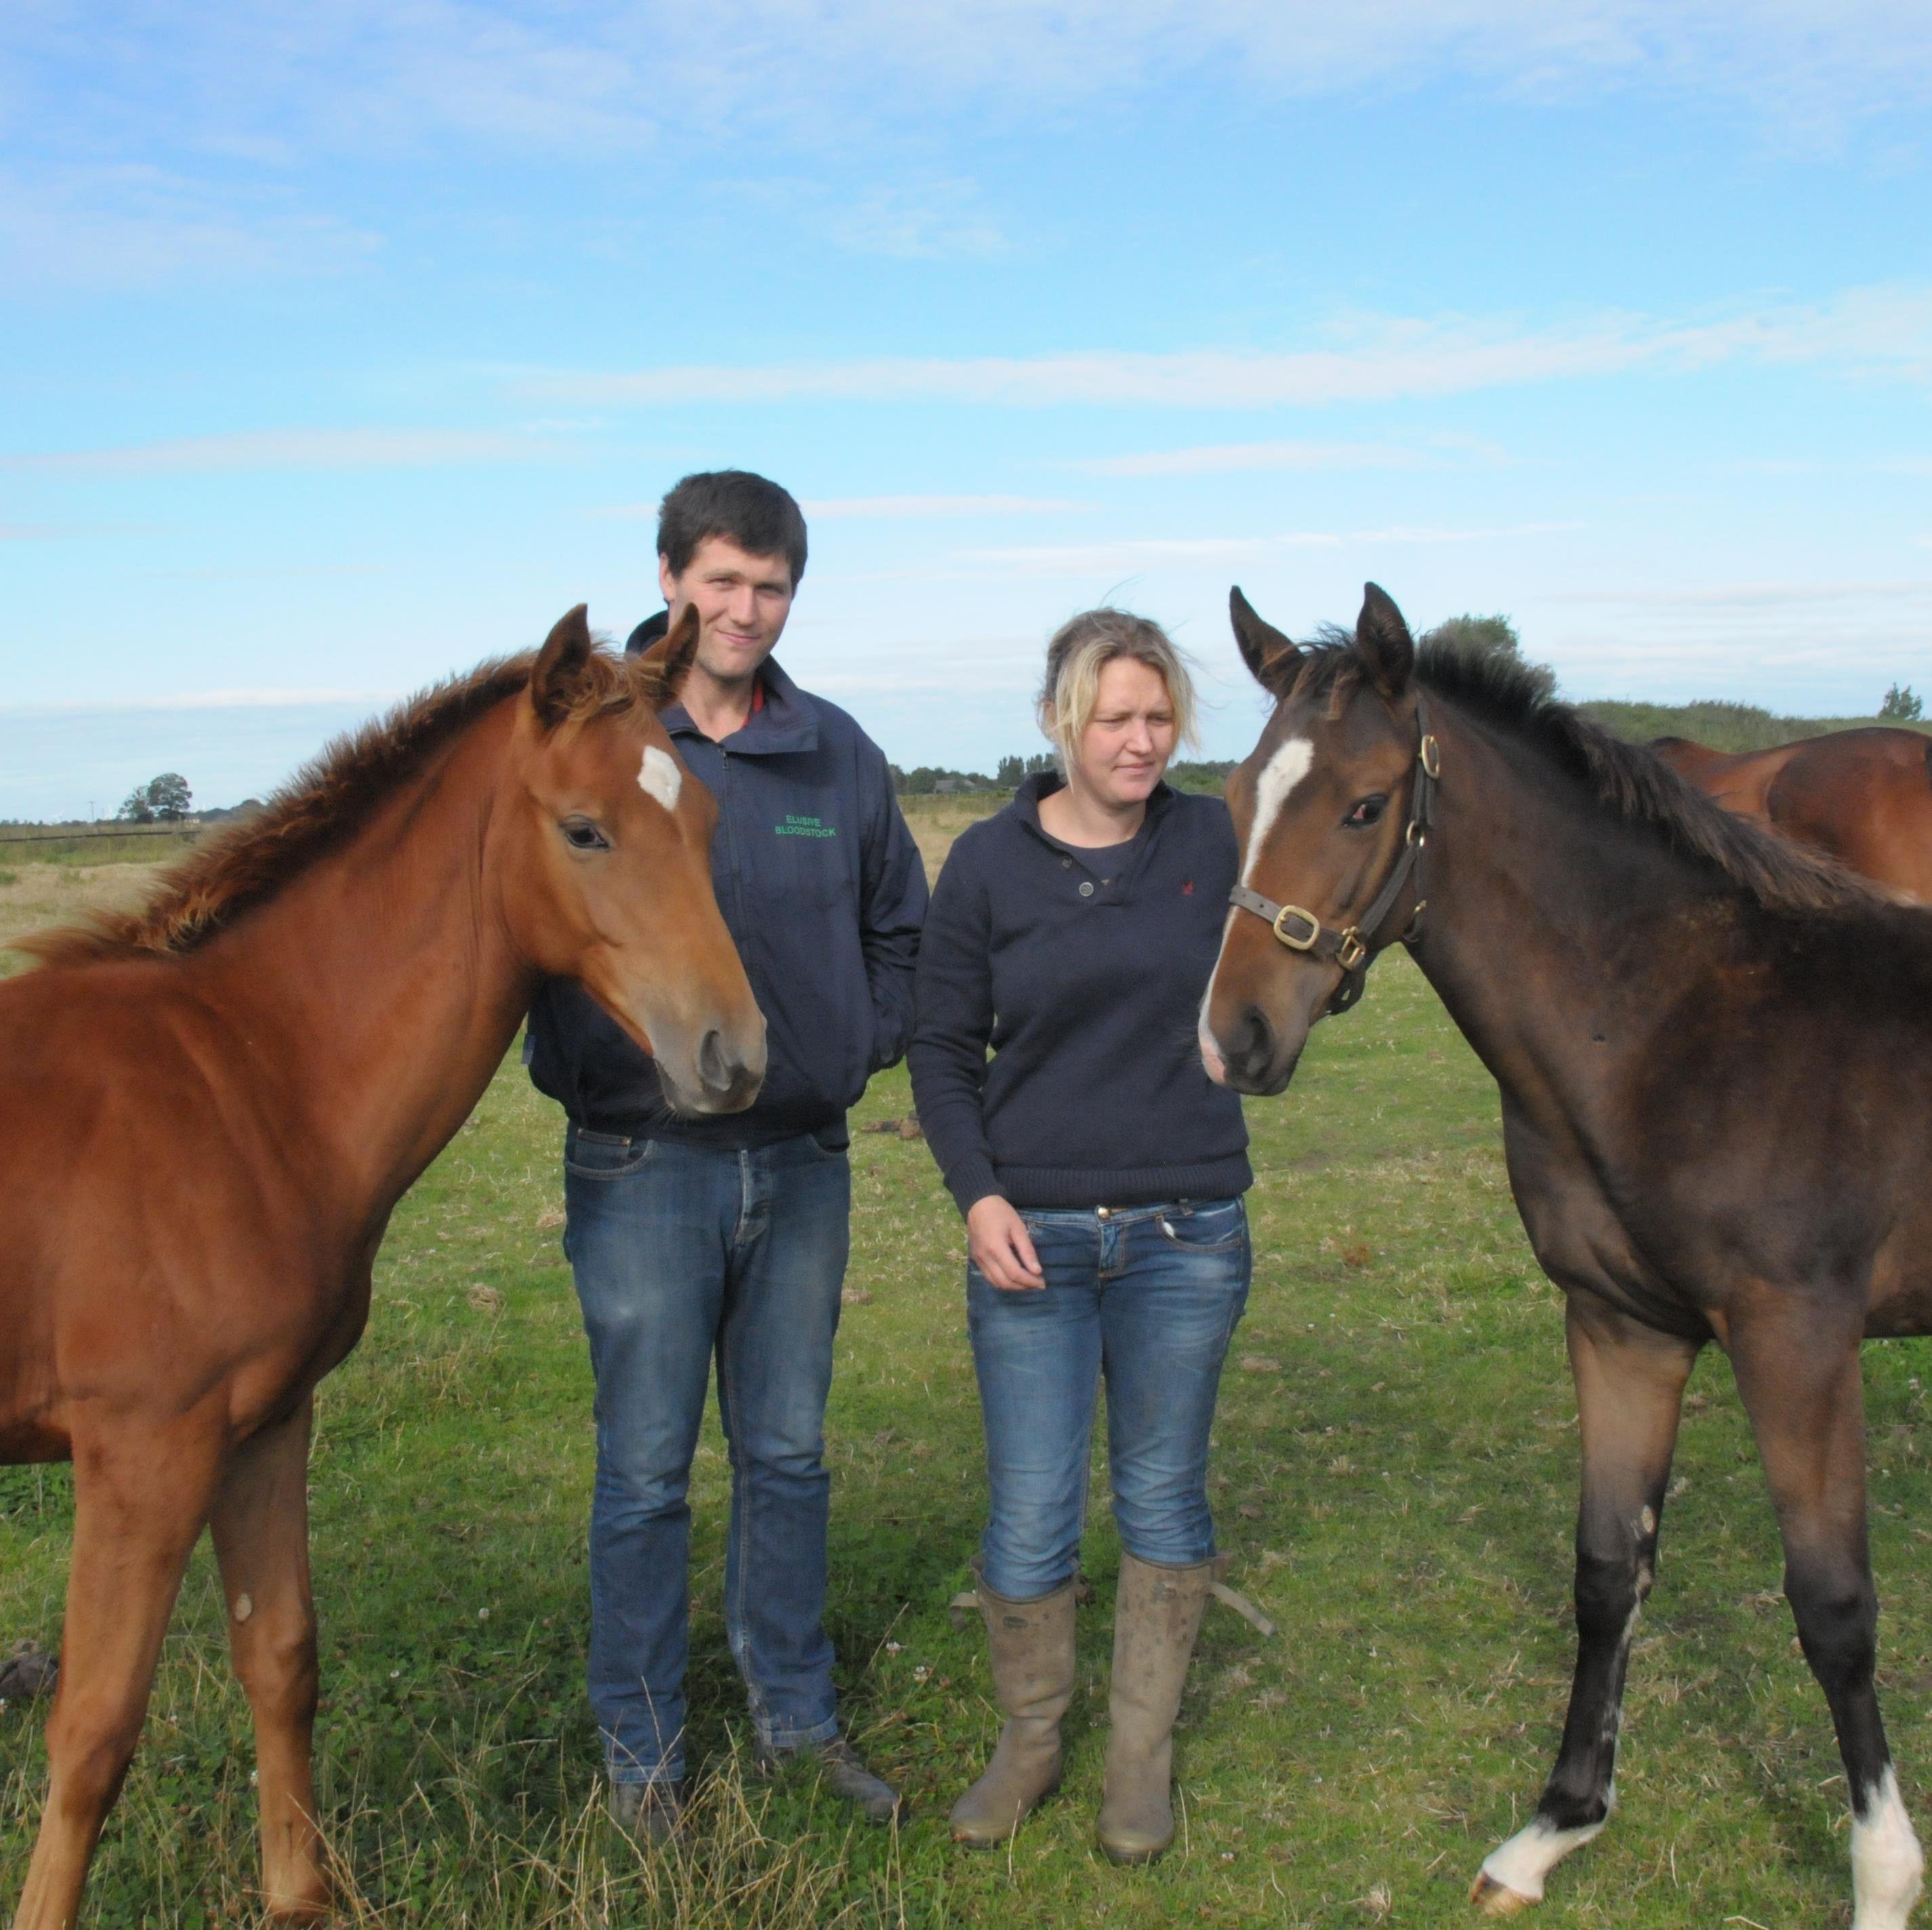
(1714, 1050)
(212, 1105)
(1863, 796)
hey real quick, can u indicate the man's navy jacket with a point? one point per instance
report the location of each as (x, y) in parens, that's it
(823, 892)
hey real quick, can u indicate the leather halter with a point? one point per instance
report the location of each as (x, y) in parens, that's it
(1353, 948)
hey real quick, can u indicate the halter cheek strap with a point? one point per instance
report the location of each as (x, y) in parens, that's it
(1353, 948)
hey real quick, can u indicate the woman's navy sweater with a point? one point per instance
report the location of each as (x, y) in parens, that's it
(1084, 970)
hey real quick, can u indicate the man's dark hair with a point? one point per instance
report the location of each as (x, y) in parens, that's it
(758, 516)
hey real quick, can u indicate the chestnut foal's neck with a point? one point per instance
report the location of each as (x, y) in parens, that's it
(385, 977)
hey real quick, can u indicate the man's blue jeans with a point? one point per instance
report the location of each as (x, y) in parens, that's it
(1150, 1296)
(682, 1252)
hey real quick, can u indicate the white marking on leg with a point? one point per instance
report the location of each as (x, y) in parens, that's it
(1521, 1863)
(659, 777)
(1286, 769)
(1887, 1864)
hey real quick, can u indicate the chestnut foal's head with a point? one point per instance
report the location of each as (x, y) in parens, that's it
(1320, 808)
(606, 873)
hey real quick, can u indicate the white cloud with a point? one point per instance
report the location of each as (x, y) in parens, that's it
(239, 699)
(1201, 552)
(834, 509)
(930, 221)
(1228, 459)
(242, 80)
(1746, 596)
(137, 225)
(1874, 331)
(293, 449)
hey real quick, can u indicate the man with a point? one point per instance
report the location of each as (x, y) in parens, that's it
(728, 1236)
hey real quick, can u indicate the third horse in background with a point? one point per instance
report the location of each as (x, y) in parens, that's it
(1864, 797)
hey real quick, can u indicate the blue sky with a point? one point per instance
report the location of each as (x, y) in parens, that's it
(342, 345)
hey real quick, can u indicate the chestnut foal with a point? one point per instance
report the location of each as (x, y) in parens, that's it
(1864, 796)
(1713, 1048)
(213, 1104)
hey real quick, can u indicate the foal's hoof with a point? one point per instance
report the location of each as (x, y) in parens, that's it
(1496, 1899)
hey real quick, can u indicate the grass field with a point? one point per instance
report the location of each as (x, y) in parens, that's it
(1394, 1475)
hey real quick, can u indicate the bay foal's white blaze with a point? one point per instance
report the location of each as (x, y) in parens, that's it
(1290, 764)
(659, 777)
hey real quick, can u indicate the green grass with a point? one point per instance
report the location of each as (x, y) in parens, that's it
(1394, 1473)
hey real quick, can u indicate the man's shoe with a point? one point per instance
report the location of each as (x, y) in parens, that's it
(649, 1812)
(842, 1771)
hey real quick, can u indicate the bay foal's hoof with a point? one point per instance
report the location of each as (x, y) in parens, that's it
(1497, 1899)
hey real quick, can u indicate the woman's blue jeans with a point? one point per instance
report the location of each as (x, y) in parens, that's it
(1149, 1296)
(682, 1254)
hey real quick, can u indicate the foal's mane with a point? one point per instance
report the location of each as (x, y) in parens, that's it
(322, 807)
(1635, 785)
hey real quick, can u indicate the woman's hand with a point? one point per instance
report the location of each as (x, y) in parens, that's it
(1000, 1247)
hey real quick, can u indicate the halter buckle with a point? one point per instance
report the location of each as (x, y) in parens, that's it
(1351, 952)
(1428, 754)
(1308, 918)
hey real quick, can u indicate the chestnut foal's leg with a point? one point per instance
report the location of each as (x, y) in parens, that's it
(140, 1499)
(1630, 1387)
(1803, 1390)
(260, 1525)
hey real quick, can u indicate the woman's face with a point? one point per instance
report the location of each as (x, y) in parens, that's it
(1124, 749)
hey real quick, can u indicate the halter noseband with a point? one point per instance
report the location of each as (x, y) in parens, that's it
(1301, 931)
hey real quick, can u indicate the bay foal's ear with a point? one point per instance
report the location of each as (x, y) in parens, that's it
(1272, 657)
(1383, 642)
(672, 655)
(559, 674)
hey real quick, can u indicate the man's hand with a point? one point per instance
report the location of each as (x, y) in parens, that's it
(1000, 1247)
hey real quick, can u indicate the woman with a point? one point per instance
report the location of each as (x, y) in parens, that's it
(1100, 1173)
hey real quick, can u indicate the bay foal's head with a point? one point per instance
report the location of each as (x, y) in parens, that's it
(606, 865)
(1322, 810)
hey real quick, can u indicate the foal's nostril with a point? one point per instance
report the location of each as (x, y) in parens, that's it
(715, 1068)
(1251, 1051)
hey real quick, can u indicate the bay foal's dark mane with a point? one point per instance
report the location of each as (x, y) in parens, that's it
(1632, 782)
(320, 808)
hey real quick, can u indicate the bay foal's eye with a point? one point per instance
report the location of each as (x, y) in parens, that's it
(580, 835)
(1368, 811)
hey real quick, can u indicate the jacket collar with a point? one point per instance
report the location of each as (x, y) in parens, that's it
(787, 721)
(1027, 795)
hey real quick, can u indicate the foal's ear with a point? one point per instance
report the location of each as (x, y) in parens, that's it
(559, 674)
(1273, 657)
(672, 655)
(1383, 642)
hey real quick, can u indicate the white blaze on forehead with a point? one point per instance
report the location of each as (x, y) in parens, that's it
(1283, 772)
(1887, 1864)
(659, 777)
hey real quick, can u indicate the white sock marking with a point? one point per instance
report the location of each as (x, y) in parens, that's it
(1283, 772)
(1529, 1856)
(659, 777)
(1887, 1863)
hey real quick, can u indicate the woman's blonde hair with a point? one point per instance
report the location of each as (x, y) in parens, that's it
(1081, 648)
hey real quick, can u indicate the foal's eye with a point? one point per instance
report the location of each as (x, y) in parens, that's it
(580, 835)
(1368, 811)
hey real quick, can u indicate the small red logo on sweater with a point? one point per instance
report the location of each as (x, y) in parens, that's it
(1187, 890)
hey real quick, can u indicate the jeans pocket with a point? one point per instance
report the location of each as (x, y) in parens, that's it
(1206, 1226)
(606, 1155)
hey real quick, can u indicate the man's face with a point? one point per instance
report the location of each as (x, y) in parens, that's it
(741, 601)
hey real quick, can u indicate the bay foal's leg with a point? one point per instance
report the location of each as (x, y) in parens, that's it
(1630, 1388)
(1803, 1389)
(260, 1527)
(139, 1503)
